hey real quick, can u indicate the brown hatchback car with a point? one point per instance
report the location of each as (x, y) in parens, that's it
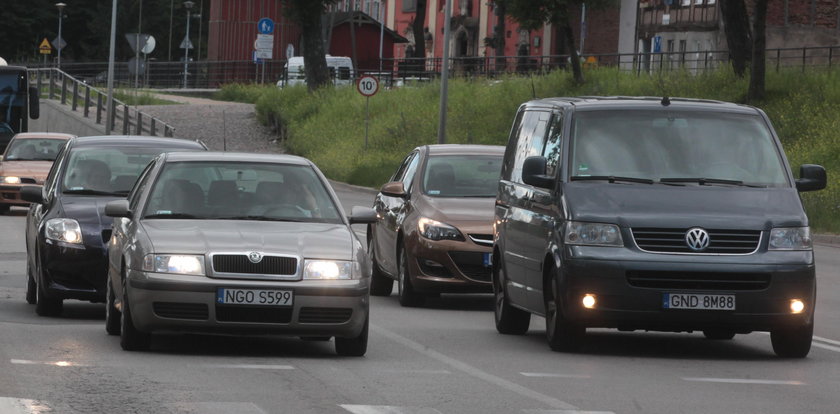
(27, 160)
(434, 232)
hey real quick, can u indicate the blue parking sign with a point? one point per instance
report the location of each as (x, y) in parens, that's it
(657, 44)
(265, 26)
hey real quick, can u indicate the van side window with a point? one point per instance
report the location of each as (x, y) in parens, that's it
(531, 140)
(507, 165)
(553, 145)
(343, 72)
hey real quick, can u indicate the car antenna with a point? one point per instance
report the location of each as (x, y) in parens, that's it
(666, 101)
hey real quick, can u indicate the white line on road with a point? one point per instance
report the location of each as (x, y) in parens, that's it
(830, 341)
(553, 375)
(565, 412)
(55, 363)
(387, 409)
(22, 406)
(473, 371)
(248, 366)
(828, 347)
(419, 371)
(744, 381)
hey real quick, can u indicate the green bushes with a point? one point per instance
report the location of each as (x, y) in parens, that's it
(328, 126)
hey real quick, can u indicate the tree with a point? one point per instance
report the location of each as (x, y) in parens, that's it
(418, 26)
(736, 25)
(307, 14)
(758, 67)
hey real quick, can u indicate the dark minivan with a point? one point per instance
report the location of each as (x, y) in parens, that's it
(652, 214)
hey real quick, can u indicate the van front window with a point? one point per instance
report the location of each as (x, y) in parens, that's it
(675, 147)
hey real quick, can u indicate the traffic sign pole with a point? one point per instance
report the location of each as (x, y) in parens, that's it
(367, 86)
(367, 120)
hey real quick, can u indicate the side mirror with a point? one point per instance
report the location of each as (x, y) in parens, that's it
(533, 172)
(32, 194)
(362, 215)
(811, 178)
(34, 103)
(117, 208)
(394, 189)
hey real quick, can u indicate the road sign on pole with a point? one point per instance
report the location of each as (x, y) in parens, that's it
(45, 48)
(265, 26)
(367, 85)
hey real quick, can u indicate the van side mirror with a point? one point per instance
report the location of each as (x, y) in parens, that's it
(32, 194)
(34, 103)
(117, 208)
(394, 189)
(811, 178)
(533, 172)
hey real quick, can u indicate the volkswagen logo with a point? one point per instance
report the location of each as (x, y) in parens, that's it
(255, 257)
(697, 239)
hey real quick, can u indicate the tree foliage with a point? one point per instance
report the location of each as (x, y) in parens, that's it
(307, 14)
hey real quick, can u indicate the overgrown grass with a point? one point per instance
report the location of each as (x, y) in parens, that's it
(134, 97)
(328, 126)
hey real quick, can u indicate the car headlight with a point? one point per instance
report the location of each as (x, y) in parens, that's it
(182, 264)
(329, 270)
(10, 179)
(790, 238)
(64, 230)
(592, 234)
(435, 230)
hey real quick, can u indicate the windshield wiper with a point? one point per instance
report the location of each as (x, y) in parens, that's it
(171, 216)
(611, 179)
(87, 191)
(707, 181)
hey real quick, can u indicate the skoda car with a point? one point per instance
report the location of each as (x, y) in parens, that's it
(435, 228)
(66, 228)
(236, 243)
(27, 160)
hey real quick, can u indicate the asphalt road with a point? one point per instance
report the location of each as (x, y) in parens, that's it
(443, 358)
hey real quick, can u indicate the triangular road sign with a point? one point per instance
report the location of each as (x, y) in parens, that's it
(186, 44)
(45, 45)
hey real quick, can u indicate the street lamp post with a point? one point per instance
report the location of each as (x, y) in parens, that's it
(187, 5)
(60, 15)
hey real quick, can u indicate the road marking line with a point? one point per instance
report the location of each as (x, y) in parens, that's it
(387, 409)
(565, 412)
(249, 366)
(22, 406)
(828, 347)
(552, 375)
(419, 371)
(55, 363)
(218, 407)
(831, 341)
(744, 381)
(473, 371)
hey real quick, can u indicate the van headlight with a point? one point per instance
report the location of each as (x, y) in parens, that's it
(329, 270)
(592, 234)
(791, 238)
(182, 264)
(64, 230)
(435, 230)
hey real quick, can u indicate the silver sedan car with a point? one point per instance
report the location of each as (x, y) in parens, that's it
(236, 243)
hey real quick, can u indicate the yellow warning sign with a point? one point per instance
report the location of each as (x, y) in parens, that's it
(45, 47)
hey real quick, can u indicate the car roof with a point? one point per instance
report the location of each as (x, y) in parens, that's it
(42, 135)
(464, 149)
(640, 102)
(136, 141)
(235, 157)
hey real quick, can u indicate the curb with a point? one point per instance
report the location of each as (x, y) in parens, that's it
(368, 190)
(831, 240)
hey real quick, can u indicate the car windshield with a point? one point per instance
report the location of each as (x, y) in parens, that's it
(240, 191)
(462, 175)
(677, 148)
(105, 170)
(34, 149)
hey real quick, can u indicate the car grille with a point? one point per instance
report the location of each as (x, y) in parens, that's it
(698, 280)
(471, 264)
(482, 239)
(254, 314)
(673, 241)
(324, 315)
(269, 265)
(173, 310)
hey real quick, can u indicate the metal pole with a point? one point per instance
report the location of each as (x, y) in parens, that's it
(60, 15)
(367, 119)
(188, 5)
(582, 27)
(381, 35)
(444, 74)
(171, 10)
(110, 105)
(137, 47)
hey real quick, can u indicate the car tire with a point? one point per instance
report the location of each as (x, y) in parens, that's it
(31, 286)
(353, 346)
(408, 297)
(4, 209)
(562, 335)
(792, 342)
(719, 334)
(130, 338)
(45, 305)
(113, 323)
(509, 320)
(380, 284)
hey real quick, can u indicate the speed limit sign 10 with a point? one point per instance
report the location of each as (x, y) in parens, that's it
(367, 85)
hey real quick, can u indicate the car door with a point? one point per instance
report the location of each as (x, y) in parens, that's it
(124, 229)
(391, 212)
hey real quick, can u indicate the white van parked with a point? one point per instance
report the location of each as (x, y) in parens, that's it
(341, 71)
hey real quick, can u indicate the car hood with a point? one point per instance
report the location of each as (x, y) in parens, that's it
(717, 207)
(453, 210)
(307, 240)
(34, 169)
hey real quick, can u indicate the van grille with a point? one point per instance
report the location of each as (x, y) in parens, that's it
(698, 280)
(269, 265)
(673, 241)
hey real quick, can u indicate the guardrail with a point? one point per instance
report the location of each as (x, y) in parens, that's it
(92, 103)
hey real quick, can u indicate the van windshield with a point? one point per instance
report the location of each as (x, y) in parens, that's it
(677, 147)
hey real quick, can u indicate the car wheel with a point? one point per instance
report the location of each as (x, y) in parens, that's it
(4, 208)
(509, 320)
(112, 315)
(353, 346)
(718, 334)
(792, 342)
(31, 286)
(130, 338)
(408, 297)
(380, 284)
(561, 334)
(45, 305)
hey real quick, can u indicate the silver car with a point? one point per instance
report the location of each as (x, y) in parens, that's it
(236, 243)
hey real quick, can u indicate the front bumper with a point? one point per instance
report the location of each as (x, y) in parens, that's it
(179, 303)
(630, 293)
(449, 266)
(74, 271)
